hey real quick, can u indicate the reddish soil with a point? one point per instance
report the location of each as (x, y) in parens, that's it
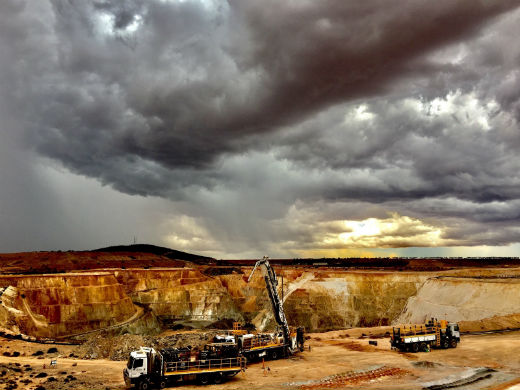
(53, 262)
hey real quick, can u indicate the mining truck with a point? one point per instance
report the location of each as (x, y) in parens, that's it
(147, 367)
(283, 342)
(422, 337)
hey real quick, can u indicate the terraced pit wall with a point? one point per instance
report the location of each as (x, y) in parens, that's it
(319, 299)
(53, 305)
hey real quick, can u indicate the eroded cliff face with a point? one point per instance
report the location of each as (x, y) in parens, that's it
(12, 316)
(319, 299)
(325, 299)
(463, 299)
(334, 300)
(56, 305)
(183, 293)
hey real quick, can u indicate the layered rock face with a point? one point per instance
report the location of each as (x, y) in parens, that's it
(55, 305)
(325, 299)
(347, 299)
(182, 294)
(319, 299)
(11, 317)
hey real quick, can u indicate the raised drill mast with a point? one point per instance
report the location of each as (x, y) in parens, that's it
(271, 283)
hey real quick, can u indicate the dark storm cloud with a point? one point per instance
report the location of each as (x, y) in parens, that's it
(313, 112)
(411, 153)
(191, 82)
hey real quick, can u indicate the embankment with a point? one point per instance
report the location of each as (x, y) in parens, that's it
(464, 298)
(319, 299)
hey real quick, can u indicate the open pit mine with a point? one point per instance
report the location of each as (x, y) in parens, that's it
(70, 320)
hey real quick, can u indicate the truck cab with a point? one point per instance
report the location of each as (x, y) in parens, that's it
(137, 367)
(148, 367)
(453, 331)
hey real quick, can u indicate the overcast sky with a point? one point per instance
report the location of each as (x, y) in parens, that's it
(241, 128)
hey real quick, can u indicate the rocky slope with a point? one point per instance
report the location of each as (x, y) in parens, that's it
(135, 299)
(464, 298)
(53, 305)
(347, 299)
(179, 294)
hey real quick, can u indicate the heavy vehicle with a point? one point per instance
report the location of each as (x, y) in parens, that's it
(422, 337)
(147, 367)
(283, 342)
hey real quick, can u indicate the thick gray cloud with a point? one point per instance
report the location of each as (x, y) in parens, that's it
(268, 123)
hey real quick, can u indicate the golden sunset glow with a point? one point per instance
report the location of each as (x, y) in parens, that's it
(392, 232)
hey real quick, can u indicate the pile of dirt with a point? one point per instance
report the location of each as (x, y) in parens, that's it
(103, 346)
(351, 345)
(491, 324)
(353, 378)
(376, 332)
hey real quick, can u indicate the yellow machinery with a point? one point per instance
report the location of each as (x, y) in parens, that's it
(422, 337)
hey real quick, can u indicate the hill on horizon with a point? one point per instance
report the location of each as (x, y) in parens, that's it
(154, 249)
(118, 256)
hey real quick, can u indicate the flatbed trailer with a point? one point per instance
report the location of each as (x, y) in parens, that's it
(149, 368)
(205, 371)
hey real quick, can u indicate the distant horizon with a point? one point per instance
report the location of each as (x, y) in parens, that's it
(101, 249)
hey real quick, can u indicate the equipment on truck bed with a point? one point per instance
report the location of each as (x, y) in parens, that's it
(422, 337)
(281, 343)
(147, 367)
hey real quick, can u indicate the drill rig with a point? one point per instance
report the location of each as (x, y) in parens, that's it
(254, 346)
(291, 340)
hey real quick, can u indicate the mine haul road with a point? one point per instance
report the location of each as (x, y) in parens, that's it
(338, 359)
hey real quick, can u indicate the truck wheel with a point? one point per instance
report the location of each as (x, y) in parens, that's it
(203, 379)
(217, 378)
(422, 347)
(144, 385)
(274, 355)
(415, 347)
(445, 344)
(162, 384)
(453, 343)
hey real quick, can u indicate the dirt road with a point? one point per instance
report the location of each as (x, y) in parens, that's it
(335, 360)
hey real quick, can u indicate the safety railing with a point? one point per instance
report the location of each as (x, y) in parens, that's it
(209, 364)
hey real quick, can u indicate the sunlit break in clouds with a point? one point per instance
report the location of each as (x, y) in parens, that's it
(244, 128)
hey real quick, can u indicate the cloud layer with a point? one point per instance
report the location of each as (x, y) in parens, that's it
(277, 126)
